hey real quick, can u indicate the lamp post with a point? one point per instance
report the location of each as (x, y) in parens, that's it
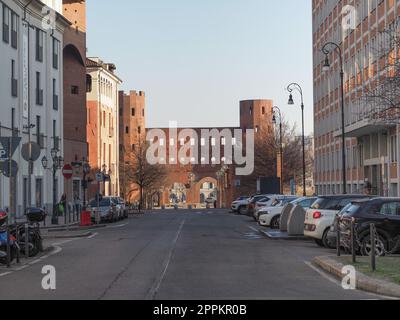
(327, 49)
(58, 163)
(292, 87)
(277, 112)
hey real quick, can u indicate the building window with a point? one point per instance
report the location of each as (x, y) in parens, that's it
(39, 192)
(6, 24)
(133, 147)
(393, 149)
(143, 113)
(263, 110)
(55, 95)
(39, 45)
(39, 90)
(56, 50)
(139, 130)
(127, 130)
(133, 111)
(38, 129)
(88, 83)
(14, 31)
(14, 81)
(75, 90)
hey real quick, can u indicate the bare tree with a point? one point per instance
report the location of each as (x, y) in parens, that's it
(382, 96)
(139, 172)
(267, 147)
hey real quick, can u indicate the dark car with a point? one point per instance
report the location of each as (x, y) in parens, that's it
(384, 213)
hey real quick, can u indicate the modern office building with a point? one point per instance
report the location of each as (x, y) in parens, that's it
(372, 143)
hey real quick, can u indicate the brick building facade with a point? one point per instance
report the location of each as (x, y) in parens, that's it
(372, 145)
(75, 114)
(192, 182)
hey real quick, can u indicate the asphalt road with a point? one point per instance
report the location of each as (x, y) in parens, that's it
(207, 254)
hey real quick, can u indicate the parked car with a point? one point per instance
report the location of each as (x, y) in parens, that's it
(271, 216)
(252, 203)
(107, 209)
(240, 205)
(384, 213)
(321, 216)
(266, 202)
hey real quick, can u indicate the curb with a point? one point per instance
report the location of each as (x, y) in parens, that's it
(68, 236)
(363, 282)
(61, 229)
(26, 262)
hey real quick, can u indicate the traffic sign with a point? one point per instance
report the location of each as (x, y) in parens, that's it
(5, 166)
(5, 143)
(30, 151)
(68, 171)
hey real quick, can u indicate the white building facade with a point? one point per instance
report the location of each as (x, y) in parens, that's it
(31, 89)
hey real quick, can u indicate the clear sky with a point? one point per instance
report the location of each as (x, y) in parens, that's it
(196, 59)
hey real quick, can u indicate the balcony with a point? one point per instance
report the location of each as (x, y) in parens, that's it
(364, 119)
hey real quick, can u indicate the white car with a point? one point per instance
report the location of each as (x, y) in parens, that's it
(240, 205)
(272, 217)
(321, 216)
(268, 201)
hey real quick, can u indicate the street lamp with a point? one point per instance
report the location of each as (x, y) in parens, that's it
(58, 162)
(327, 49)
(292, 87)
(86, 171)
(277, 112)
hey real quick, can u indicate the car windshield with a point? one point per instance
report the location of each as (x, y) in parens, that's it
(350, 209)
(326, 204)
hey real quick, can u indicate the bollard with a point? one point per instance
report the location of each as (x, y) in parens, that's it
(8, 245)
(26, 240)
(353, 241)
(338, 236)
(17, 239)
(373, 247)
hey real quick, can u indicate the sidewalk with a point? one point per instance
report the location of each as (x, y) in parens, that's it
(373, 282)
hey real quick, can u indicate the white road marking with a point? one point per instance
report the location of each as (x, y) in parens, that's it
(254, 229)
(119, 226)
(92, 236)
(5, 274)
(153, 292)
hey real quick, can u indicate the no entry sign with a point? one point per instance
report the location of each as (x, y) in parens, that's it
(67, 171)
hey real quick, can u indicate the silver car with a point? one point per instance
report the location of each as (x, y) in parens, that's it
(105, 210)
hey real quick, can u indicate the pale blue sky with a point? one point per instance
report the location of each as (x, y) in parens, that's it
(196, 59)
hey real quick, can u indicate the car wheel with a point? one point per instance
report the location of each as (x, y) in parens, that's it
(319, 243)
(326, 241)
(380, 244)
(275, 222)
(241, 210)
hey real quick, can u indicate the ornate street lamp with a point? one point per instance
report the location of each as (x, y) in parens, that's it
(296, 87)
(277, 112)
(327, 49)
